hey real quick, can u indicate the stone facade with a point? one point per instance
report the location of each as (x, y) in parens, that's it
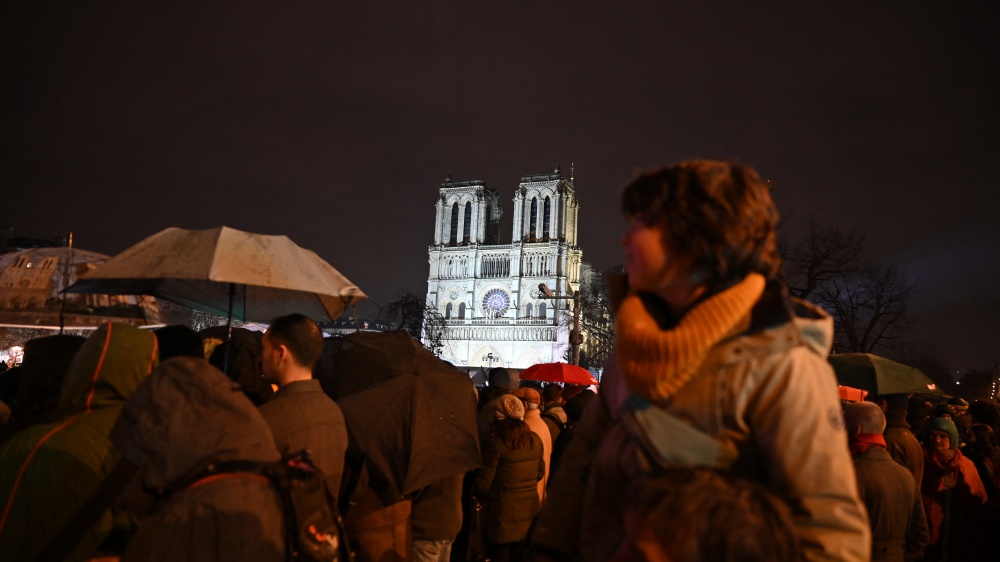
(488, 292)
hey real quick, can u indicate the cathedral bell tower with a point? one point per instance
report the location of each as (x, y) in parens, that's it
(468, 212)
(545, 209)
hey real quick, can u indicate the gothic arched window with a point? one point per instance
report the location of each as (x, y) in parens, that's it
(467, 231)
(547, 210)
(447, 311)
(527, 310)
(534, 218)
(454, 224)
(461, 310)
(541, 310)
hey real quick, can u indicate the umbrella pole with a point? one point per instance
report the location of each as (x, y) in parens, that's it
(62, 301)
(229, 328)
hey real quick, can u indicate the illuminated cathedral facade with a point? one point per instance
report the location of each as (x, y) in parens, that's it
(487, 292)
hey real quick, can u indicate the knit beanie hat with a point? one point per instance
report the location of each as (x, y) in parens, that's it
(508, 406)
(529, 395)
(945, 425)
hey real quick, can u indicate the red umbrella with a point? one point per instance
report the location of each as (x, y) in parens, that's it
(558, 372)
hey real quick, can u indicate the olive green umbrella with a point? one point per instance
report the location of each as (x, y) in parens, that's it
(879, 375)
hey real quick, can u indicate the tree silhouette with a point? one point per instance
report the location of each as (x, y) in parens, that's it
(410, 312)
(597, 320)
(868, 301)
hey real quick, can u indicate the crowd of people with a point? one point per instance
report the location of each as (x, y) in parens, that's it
(716, 433)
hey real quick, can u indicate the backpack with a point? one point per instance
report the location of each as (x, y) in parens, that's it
(314, 531)
(555, 420)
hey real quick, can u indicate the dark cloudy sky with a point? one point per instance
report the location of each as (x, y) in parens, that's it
(335, 122)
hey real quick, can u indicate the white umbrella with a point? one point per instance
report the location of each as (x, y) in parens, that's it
(250, 277)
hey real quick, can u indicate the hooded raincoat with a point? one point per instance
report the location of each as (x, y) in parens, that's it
(48, 471)
(184, 416)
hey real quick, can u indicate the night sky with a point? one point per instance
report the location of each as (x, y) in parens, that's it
(335, 122)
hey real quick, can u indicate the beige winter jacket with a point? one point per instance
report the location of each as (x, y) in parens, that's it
(768, 397)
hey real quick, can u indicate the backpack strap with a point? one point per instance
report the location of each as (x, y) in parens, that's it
(555, 419)
(667, 440)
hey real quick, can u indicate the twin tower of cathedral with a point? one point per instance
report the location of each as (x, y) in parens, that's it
(488, 292)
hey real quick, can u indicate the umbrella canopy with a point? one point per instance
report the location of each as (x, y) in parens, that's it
(412, 415)
(255, 276)
(851, 394)
(558, 372)
(31, 284)
(879, 375)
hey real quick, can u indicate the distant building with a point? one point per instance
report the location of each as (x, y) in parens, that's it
(487, 292)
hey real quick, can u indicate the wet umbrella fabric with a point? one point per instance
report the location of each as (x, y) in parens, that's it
(558, 372)
(228, 272)
(412, 415)
(879, 375)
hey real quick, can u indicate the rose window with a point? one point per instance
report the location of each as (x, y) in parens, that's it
(495, 303)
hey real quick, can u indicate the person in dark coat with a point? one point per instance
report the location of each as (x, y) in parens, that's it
(436, 519)
(890, 495)
(184, 417)
(179, 341)
(512, 468)
(41, 374)
(244, 359)
(48, 471)
(900, 441)
(501, 381)
(574, 411)
(300, 415)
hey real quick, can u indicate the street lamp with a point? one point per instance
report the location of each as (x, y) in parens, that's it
(575, 338)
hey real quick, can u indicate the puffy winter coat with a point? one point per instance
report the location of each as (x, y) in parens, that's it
(507, 484)
(768, 398)
(48, 471)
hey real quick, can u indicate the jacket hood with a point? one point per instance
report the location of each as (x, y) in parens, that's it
(815, 325)
(107, 368)
(776, 308)
(186, 414)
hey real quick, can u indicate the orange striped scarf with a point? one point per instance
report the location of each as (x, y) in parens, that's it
(656, 363)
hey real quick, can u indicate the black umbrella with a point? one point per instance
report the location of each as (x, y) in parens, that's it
(412, 415)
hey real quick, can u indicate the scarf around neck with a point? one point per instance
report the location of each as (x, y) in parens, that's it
(656, 363)
(864, 441)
